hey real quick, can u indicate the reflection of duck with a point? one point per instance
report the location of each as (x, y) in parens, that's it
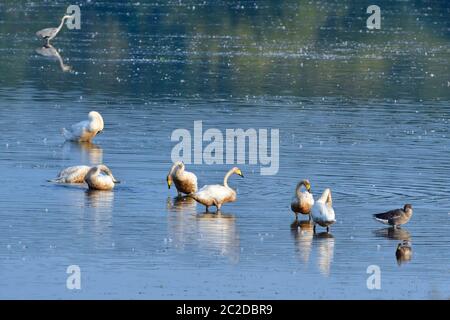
(393, 233)
(403, 252)
(323, 212)
(185, 181)
(218, 232)
(303, 201)
(303, 235)
(90, 153)
(395, 217)
(216, 195)
(325, 252)
(49, 51)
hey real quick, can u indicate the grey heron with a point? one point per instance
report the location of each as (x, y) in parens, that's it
(48, 34)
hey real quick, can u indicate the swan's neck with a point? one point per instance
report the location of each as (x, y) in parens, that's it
(177, 168)
(225, 179)
(326, 197)
(297, 189)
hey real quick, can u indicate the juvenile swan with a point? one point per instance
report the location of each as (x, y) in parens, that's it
(74, 174)
(216, 195)
(395, 217)
(100, 178)
(185, 181)
(323, 212)
(85, 131)
(303, 201)
(48, 34)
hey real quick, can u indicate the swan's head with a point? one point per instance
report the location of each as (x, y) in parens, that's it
(104, 169)
(307, 185)
(237, 171)
(96, 121)
(169, 181)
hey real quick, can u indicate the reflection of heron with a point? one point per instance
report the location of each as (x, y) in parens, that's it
(325, 252)
(50, 51)
(303, 235)
(218, 233)
(48, 34)
(90, 153)
(403, 252)
(393, 233)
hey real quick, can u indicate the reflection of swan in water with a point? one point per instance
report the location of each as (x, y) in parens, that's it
(181, 221)
(181, 204)
(90, 153)
(101, 203)
(49, 51)
(393, 233)
(303, 234)
(325, 251)
(218, 233)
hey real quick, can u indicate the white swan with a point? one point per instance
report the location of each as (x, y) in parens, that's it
(75, 174)
(303, 200)
(216, 195)
(100, 178)
(323, 212)
(85, 131)
(185, 181)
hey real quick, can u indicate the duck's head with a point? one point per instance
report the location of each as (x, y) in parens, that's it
(407, 207)
(237, 171)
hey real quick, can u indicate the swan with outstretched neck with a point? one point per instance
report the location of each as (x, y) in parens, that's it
(185, 181)
(322, 212)
(303, 200)
(216, 195)
(48, 34)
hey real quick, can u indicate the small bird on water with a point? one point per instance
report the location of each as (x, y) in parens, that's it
(395, 217)
(48, 34)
